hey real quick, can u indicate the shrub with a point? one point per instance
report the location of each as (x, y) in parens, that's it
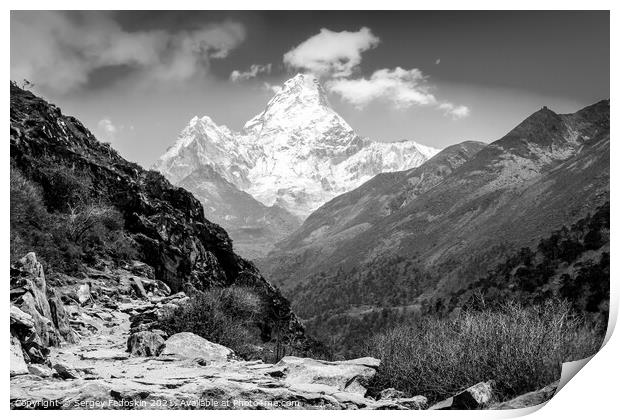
(64, 187)
(521, 348)
(66, 230)
(226, 316)
(29, 220)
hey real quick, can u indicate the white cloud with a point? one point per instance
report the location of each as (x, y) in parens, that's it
(272, 88)
(107, 129)
(400, 87)
(61, 51)
(455, 111)
(331, 53)
(255, 70)
(334, 56)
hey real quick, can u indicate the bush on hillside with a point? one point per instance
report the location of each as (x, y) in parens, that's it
(67, 230)
(227, 316)
(521, 348)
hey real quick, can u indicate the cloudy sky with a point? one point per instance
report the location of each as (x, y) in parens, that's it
(136, 78)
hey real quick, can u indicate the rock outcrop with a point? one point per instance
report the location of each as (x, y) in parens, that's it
(38, 317)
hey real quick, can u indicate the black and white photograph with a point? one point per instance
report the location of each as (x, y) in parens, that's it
(306, 209)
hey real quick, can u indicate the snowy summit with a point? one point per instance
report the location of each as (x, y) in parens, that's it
(297, 154)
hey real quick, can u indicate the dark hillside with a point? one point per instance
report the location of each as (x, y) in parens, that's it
(76, 202)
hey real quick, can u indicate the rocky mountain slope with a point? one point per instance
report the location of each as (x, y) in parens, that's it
(294, 156)
(165, 225)
(348, 215)
(254, 226)
(549, 171)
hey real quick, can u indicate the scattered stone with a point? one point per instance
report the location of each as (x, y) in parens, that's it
(65, 371)
(390, 394)
(474, 397)
(145, 344)
(138, 287)
(40, 370)
(35, 355)
(141, 269)
(419, 402)
(83, 294)
(352, 375)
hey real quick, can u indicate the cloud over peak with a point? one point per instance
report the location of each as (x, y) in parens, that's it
(254, 71)
(403, 88)
(331, 53)
(335, 56)
(399, 87)
(78, 45)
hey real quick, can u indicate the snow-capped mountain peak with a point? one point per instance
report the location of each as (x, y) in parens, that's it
(297, 153)
(301, 112)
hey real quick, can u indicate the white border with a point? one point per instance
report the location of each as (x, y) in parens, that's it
(591, 395)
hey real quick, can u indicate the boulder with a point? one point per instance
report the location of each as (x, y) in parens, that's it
(40, 370)
(20, 320)
(474, 397)
(17, 362)
(65, 371)
(145, 344)
(351, 376)
(188, 345)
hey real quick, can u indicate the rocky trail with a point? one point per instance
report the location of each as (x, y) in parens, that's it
(117, 362)
(95, 344)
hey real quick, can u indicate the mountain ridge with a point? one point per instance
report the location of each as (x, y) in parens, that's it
(550, 170)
